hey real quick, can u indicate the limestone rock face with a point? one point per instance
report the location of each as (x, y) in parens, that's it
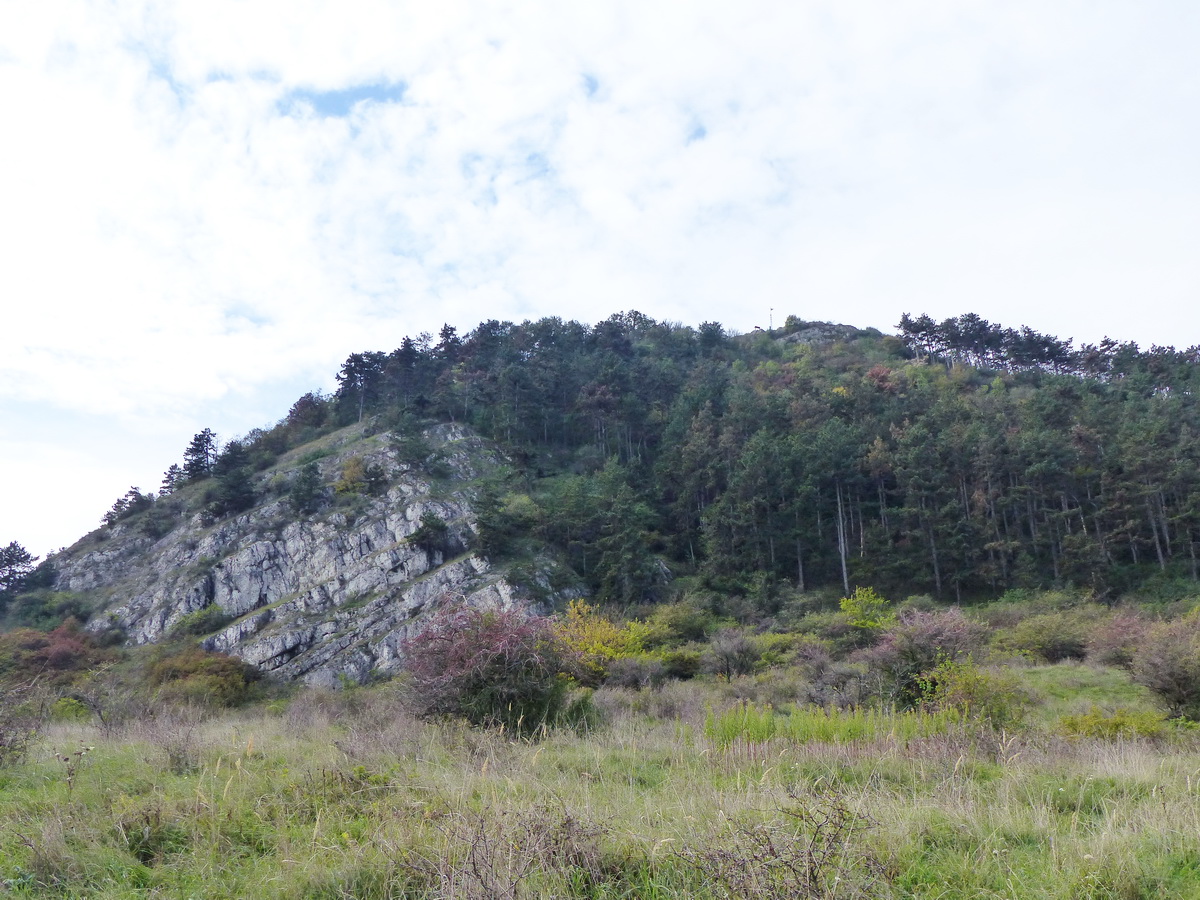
(319, 598)
(820, 333)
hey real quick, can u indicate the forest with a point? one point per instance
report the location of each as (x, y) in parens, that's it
(958, 458)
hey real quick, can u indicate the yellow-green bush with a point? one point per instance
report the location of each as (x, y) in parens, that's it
(597, 639)
(1120, 723)
(981, 695)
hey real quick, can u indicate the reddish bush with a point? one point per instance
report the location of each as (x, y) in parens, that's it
(1168, 662)
(919, 642)
(56, 656)
(490, 667)
(1113, 642)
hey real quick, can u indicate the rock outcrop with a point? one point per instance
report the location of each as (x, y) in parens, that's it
(820, 333)
(321, 598)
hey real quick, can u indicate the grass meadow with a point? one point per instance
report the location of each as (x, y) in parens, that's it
(685, 791)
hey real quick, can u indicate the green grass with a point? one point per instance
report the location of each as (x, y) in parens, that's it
(749, 724)
(1070, 688)
(343, 795)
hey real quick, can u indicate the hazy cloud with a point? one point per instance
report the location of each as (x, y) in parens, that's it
(209, 205)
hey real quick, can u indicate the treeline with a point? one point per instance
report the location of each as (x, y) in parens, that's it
(920, 463)
(976, 341)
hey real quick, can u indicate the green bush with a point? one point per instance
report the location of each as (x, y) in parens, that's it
(201, 622)
(45, 609)
(305, 491)
(433, 535)
(672, 624)
(682, 663)
(981, 695)
(69, 709)
(867, 610)
(202, 678)
(1053, 636)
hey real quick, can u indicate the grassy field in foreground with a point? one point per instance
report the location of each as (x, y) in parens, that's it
(344, 795)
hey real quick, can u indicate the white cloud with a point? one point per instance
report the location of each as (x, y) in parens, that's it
(184, 236)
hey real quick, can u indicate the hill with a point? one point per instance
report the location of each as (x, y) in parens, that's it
(635, 460)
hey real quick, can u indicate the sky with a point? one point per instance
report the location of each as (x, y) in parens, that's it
(206, 206)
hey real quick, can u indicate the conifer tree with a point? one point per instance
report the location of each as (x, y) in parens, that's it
(201, 455)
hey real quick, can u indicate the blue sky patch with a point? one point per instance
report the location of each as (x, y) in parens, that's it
(340, 103)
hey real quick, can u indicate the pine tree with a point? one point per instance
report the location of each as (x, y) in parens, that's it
(172, 478)
(201, 455)
(16, 564)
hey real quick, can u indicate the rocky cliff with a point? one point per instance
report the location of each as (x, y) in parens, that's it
(318, 598)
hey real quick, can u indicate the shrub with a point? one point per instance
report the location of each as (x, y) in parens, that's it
(1053, 636)
(1120, 723)
(818, 848)
(732, 652)
(597, 640)
(158, 520)
(490, 667)
(198, 677)
(20, 721)
(682, 663)
(672, 624)
(982, 695)
(835, 630)
(433, 535)
(918, 643)
(1112, 642)
(306, 492)
(56, 657)
(45, 609)
(1168, 662)
(231, 493)
(69, 709)
(867, 610)
(203, 621)
(361, 477)
(636, 672)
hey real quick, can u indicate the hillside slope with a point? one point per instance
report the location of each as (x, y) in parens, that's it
(313, 597)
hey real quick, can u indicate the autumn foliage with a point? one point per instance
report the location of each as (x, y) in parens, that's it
(490, 667)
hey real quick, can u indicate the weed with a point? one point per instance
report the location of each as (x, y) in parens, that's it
(814, 852)
(502, 852)
(71, 762)
(20, 721)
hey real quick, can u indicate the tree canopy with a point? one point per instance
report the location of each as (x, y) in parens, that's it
(957, 457)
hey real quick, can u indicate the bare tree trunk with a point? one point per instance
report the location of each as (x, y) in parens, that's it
(841, 535)
(1162, 562)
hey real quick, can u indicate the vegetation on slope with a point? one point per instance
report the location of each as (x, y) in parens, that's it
(747, 707)
(959, 459)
